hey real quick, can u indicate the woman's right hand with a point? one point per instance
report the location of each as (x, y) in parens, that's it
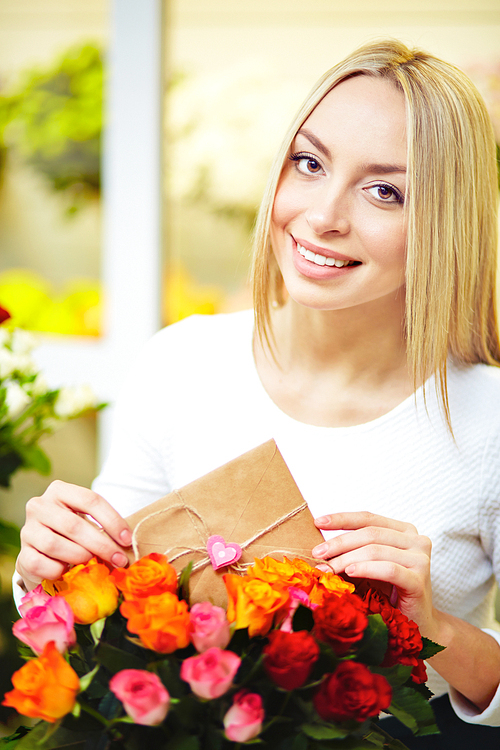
(56, 533)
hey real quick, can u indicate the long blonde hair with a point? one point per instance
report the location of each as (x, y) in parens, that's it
(451, 211)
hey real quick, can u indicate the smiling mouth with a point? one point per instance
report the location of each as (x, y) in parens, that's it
(323, 260)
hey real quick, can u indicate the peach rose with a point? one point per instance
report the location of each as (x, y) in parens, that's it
(254, 604)
(149, 576)
(51, 621)
(144, 696)
(296, 573)
(44, 688)
(244, 719)
(208, 626)
(161, 622)
(89, 591)
(210, 674)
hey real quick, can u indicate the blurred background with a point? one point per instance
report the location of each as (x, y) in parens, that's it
(135, 140)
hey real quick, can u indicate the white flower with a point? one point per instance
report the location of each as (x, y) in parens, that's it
(7, 362)
(4, 336)
(24, 364)
(72, 401)
(39, 386)
(22, 342)
(16, 400)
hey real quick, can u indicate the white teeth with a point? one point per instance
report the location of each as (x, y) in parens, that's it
(322, 260)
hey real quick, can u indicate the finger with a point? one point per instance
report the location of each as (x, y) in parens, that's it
(406, 580)
(411, 559)
(49, 528)
(358, 520)
(90, 503)
(55, 546)
(34, 567)
(368, 536)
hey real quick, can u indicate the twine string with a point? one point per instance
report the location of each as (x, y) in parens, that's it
(192, 512)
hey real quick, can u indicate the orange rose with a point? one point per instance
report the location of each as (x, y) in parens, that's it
(160, 621)
(149, 576)
(296, 573)
(254, 604)
(329, 583)
(44, 688)
(89, 591)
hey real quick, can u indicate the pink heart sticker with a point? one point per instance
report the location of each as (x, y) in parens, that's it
(222, 554)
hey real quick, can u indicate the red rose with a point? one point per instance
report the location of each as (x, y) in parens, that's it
(419, 673)
(340, 621)
(290, 657)
(352, 692)
(404, 639)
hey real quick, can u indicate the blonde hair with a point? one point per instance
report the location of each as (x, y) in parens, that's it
(451, 211)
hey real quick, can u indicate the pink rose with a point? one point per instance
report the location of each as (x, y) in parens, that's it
(208, 626)
(210, 674)
(51, 621)
(244, 719)
(297, 596)
(35, 598)
(144, 697)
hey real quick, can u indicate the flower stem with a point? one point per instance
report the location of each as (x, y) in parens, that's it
(95, 714)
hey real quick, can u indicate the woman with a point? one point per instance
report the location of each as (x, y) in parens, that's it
(374, 279)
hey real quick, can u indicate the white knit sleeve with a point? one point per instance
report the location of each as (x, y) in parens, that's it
(489, 529)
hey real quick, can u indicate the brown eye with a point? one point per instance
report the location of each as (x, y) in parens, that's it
(306, 164)
(384, 192)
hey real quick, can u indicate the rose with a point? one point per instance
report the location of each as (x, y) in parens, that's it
(404, 639)
(210, 674)
(254, 604)
(51, 621)
(419, 672)
(340, 621)
(244, 719)
(37, 597)
(329, 583)
(288, 573)
(290, 657)
(89, 590)
(149, 576)
(161, 622)
(352, 692)
(144, 697)
(297, 597)
(44, 688)
(208, 626)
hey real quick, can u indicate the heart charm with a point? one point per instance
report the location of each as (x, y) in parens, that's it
(222, 554)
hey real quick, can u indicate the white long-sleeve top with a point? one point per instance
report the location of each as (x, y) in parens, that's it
(194, 401)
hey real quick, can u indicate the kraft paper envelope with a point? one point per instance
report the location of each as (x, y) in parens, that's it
(236, 501)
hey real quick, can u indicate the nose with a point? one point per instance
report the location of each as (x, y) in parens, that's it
(329, 211)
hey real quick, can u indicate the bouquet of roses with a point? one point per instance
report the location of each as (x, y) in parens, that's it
(300, 661)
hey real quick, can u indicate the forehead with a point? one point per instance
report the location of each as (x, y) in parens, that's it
(363, 110)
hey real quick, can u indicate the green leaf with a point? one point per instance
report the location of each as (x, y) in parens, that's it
(96, 629)
(303, 619)
(115, 659)
(12, 741)
(429, 648)
(396, 676)
(323, 731)
(9, 464)
(413, 711)
(41, 737)
(374, 644)
(184, 742)
(183, 587)
(9, 539)
(87, 678)
(35, 458)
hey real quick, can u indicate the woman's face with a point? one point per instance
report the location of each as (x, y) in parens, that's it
(338, 230)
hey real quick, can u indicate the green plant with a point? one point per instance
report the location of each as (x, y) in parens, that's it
(53, 119)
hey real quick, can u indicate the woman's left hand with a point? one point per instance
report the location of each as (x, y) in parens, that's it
(382, 549)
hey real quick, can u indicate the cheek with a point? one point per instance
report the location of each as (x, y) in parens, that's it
(286, 205)
(387, 239)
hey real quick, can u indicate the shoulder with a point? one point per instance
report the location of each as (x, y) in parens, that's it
(199, 335)
(475, 390)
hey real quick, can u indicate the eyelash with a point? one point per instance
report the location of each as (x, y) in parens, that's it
(304, 156)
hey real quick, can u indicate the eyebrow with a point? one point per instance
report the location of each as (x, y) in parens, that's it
(375, 167)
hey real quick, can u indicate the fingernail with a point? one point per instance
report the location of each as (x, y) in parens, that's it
(126, 538)
(119, 560)
(320, 550)
(321, 520)
(323, 568)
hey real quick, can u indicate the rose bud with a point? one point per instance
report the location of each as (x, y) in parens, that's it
(352, 692)
(51, 621)
(37, 597)
(208, 626)
(144, 697)
(210, 674)
(289, 657)
(244, 719)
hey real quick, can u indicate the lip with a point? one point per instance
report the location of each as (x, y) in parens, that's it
(318, 273)
(321, 250)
